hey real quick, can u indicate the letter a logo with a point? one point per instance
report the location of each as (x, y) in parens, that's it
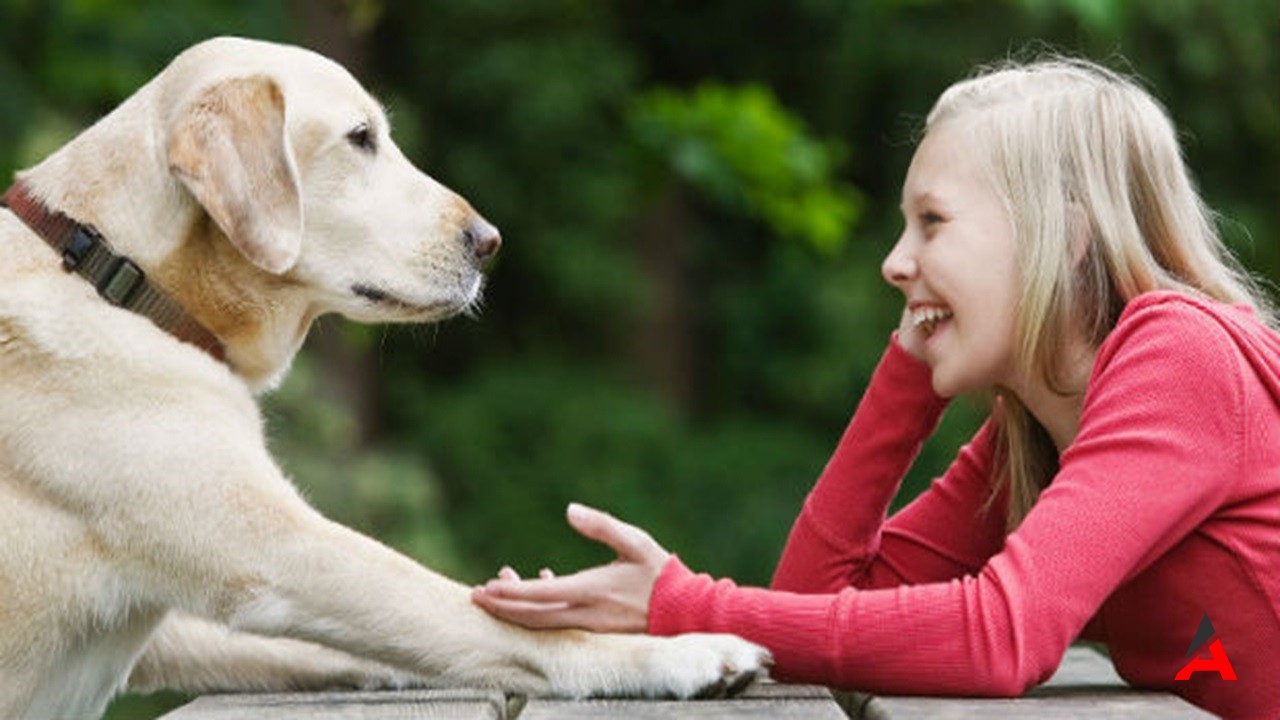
(1217, 660)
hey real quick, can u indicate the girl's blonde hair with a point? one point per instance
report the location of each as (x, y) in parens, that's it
(1103, 209)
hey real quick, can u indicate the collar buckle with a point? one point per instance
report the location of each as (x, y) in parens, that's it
(83, 240)
(121, 282)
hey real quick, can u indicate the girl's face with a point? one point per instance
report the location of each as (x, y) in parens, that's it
(956, 264)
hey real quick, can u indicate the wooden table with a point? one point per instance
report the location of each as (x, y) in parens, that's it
(1085, 686)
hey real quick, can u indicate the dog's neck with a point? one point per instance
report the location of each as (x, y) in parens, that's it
(262, 318)
(259, 319)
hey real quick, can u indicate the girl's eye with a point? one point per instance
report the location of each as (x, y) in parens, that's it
(362, 138)
(930, 218)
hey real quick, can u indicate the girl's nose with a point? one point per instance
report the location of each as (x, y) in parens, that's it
(900, 265)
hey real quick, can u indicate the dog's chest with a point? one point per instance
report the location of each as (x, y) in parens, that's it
(89, 674)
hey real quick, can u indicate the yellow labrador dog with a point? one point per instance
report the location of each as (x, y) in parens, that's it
(157, 272)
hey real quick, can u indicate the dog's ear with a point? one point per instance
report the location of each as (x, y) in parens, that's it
(229, 148)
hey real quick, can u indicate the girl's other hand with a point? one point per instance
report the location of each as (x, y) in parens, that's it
(910, 336)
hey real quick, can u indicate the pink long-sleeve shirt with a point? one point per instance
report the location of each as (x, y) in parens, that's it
(1164, 509)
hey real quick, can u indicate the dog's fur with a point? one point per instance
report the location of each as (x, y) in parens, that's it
(147, 538)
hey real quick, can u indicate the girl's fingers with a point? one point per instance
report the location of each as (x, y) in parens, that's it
(603, 599)
(629, 541)
(510, 575)
(529, 614)
(555, 616)
(910, 337)
(570, 588)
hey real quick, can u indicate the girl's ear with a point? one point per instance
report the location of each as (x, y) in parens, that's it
(1081, 232)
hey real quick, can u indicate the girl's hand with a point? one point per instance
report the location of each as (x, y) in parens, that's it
(911, 337)
(608, 598)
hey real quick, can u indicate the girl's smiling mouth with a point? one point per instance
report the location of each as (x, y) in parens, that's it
(927, 317)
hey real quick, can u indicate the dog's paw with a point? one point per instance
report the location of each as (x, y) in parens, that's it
(706, 666)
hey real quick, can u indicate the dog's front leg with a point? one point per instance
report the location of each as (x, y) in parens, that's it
(331, 585)
(195, 655)
(200, 519)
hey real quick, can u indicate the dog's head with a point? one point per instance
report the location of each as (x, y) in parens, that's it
(293, 161)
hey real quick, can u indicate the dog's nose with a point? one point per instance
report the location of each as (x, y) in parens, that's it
(483, 238)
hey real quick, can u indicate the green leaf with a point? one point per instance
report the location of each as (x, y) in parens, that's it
(743, 151)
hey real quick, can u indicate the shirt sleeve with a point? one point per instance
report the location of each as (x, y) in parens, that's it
(841, 539)
(1158, 447)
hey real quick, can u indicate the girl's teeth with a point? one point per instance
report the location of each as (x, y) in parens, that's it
(929, 319)
(929, 315)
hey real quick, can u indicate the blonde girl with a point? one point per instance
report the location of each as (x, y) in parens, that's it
(1126, 488)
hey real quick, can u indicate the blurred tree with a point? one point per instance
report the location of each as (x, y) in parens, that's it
(738, 150)
(741, 149)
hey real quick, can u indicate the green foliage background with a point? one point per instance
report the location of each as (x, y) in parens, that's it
(695, 199)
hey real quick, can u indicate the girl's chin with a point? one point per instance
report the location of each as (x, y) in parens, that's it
(950, 381)
(942, 387)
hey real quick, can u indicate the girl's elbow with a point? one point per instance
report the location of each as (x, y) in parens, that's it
(1012, 685)
(1014, 679)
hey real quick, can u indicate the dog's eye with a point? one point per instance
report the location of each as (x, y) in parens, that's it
(362, 137)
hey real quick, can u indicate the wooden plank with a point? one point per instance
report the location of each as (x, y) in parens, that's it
(441, 704)
(1083, 666)
(770, 690)
(1085, 685)
(763, 701)
(1054, 704)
